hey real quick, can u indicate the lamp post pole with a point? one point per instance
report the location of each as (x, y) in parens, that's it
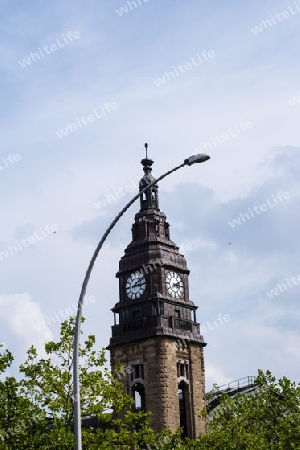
(77, 413)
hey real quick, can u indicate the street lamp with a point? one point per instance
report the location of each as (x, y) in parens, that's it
(201, 157)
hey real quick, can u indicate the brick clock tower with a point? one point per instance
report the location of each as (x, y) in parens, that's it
(156, 335)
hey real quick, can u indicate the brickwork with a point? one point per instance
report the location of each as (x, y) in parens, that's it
(160, 356)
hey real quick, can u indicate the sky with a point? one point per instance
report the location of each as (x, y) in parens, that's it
(84, 84)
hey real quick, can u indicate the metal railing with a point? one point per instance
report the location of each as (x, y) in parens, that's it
(232, 387)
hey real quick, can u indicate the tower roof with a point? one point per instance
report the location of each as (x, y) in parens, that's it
(153, 277)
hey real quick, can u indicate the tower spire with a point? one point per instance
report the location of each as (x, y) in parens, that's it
(156, 332)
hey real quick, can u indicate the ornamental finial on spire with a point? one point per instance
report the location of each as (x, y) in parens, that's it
(146, 162)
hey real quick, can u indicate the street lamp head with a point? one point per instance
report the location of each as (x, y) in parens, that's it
(200, 158)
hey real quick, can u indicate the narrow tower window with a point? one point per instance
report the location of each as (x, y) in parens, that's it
(167, 231)
(182, 407)
(183, 369)
(137, 372)
(139, 397)
(137, 385)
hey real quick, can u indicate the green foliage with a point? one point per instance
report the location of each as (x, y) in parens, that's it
(21, 423)
(40, 411)
(269, 418)
(37, 412)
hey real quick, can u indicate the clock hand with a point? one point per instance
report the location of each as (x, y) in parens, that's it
(138, 283)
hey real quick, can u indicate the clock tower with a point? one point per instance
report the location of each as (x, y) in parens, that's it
(155, 334)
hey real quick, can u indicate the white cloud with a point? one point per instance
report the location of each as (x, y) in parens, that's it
(215, 375)
(20, 314)
(58, 181)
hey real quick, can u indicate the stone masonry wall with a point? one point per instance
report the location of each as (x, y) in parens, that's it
(159, 356)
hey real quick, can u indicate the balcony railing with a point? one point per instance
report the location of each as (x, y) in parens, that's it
(132, 326)
(172, 322)
(183, 325)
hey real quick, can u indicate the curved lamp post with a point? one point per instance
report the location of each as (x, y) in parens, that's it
(201, 157)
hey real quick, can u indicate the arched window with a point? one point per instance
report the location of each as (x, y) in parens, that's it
(182, 394)
(139, 397)
(137, 390)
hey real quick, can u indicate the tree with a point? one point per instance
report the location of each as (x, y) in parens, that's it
(49, 386)
(269, 418)
(266, 419)
(18, 416)
(37, 411)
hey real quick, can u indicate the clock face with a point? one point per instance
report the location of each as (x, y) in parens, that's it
(174, 284)
(135, 285)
